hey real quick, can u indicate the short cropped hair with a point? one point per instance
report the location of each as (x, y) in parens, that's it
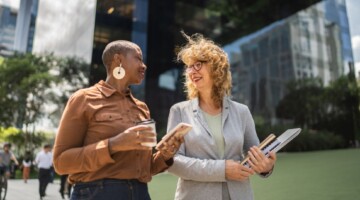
(7, 144)
(201, 49)
(119, 46)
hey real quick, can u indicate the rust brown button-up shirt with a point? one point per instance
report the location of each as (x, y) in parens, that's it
(91, 116)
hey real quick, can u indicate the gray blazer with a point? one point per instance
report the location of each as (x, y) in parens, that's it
(200, 169)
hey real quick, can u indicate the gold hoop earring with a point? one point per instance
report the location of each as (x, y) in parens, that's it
(119, 72)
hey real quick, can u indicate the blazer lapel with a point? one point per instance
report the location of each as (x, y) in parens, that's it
(225, 115)
(199, 116)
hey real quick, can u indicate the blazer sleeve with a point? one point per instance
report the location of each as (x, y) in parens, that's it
(251, 138)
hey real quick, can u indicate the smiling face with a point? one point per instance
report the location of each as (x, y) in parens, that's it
(134, 66)
(213, 77)
(199, 74)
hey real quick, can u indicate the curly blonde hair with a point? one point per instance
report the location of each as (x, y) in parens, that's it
(201, 49)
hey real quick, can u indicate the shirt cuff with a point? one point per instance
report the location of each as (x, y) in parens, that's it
(102, 149)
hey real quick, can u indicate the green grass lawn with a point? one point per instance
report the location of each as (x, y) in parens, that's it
(320, 175)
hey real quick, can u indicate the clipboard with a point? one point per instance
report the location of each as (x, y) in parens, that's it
(271, 143)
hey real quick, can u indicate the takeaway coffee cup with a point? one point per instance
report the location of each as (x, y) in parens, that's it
(151, 123)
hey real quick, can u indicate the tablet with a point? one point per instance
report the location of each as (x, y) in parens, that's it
(274, 144)
(181, 129)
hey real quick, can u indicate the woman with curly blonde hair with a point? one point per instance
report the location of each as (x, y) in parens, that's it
(208, 162)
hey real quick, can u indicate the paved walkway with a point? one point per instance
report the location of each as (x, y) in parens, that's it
(18, 190)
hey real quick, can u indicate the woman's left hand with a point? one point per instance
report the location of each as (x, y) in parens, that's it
(259, 162)
(170, 147)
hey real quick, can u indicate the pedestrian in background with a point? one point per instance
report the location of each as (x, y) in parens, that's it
(26, 165)
(6, 156)
(65, 186)
(44, 162)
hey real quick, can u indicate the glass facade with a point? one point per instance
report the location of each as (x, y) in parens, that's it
(311, 43)
(7, 29)
(118, 20)
(265, 52)
(17, 27)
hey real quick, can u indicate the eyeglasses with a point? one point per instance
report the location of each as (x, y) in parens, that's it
(196, 66)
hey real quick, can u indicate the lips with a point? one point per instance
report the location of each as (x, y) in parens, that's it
(196, 79)
(142, 74)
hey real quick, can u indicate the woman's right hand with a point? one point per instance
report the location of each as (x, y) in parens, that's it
(131, 139)
(237, 172)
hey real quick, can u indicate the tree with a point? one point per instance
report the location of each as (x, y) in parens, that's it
(29, 82)
(303, 103)
(18, 138)
(343, 114)
(334, 108)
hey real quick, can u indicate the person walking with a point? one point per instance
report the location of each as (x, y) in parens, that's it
(44, 162)
(26, 165)
(99, 144)
(65, 186)
(208, 162)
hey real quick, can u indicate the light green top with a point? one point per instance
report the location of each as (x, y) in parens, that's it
(214, 123)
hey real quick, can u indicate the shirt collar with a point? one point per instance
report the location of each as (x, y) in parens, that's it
(108, 90)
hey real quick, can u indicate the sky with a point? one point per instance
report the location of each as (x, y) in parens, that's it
(353, 8)
(58, 20)
(61, 19)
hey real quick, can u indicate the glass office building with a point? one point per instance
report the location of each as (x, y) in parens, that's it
(314, 42)
(288, 45)
(7, 29)
(17, 27)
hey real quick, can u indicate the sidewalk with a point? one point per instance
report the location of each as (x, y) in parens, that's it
(18, 190)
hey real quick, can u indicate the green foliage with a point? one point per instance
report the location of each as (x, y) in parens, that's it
(334, 108)
(5, 133)
(19, 138)
(343, 115)
(304, 102)
(23, 89)
(310, 140)
(28, 83)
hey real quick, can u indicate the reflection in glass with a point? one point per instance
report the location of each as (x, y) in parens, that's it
(314, 42)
